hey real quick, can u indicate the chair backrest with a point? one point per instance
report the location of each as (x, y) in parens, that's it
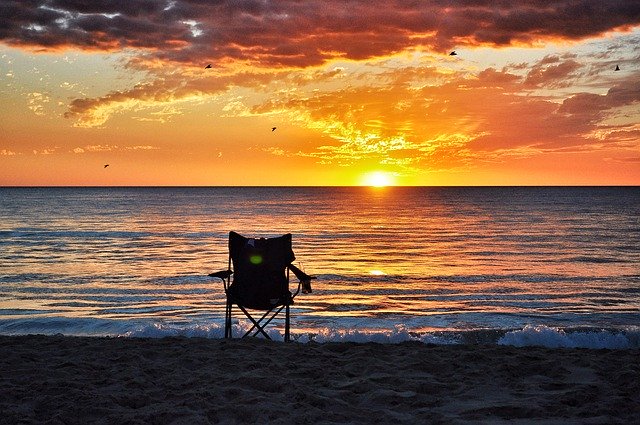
(260, 278)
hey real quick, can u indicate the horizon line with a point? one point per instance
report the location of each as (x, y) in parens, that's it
(314, 186)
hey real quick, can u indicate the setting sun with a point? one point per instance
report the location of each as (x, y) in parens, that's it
(378, 179)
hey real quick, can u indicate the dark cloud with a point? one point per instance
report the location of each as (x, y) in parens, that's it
(295, 33)
(552, 72)
(592, 106)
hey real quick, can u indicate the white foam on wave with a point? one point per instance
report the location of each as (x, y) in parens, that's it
(545, 336)
(530, 335)
(215, 330)
(162, 330)
(396, 335)
(204, 330)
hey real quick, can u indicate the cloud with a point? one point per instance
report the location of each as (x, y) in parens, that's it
(169, 87)
(631, 159)
(174, 39)
(93, 112)
(110, 148)
(46, 151)
(397, 123)
(412, 117)
(456, 120)
(552, 72)
(290, 33)
(36, 102)
(591, 107)
(95, 148)
(141, 148)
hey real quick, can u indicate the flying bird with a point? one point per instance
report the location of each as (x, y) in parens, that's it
(273, 128)
(617, 68)
(208, 66)
(453, 53)
(106, 165)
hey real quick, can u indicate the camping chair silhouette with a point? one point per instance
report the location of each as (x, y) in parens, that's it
(260, 281)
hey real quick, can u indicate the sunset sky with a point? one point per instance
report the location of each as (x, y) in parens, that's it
(360, 92)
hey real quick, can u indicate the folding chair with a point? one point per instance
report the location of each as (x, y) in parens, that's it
(260, 281)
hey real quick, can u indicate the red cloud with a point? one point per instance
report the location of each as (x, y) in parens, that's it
(294, 33)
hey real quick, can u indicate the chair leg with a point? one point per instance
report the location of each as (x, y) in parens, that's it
(286, 324)
(227, 321)
(256, 324)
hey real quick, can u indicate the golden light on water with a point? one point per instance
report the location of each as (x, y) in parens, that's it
(377, 273)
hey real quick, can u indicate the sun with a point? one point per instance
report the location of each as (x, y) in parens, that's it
(378, 179)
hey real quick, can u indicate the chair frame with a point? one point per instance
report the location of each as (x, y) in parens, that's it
(258, 327)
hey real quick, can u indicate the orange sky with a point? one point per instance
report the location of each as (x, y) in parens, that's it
(360, 92)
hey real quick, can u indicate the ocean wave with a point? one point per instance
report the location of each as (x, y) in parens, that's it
(551, 337)
(528, 336)
(541, 336)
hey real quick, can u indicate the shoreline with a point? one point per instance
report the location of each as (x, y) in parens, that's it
(65, 379)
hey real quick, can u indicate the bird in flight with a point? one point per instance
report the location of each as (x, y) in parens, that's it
(617, 68)
(453, 53)
(106, 165)
(273, 128)
(208, 66)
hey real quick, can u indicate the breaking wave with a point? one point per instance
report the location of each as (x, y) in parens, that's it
(528, 336)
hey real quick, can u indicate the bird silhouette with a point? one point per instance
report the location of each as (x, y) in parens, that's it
(273, 128)
(453, 53)
(208, 66)
(106, 165)
(617, 68)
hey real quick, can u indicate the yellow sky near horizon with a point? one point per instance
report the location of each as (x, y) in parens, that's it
(384, 105)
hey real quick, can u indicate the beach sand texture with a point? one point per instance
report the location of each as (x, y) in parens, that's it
(78, 380)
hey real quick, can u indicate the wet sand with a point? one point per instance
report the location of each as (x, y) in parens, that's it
(71, 380)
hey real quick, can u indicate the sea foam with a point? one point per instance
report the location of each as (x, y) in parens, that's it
(529, 335)
(546, 336)
(540, 335)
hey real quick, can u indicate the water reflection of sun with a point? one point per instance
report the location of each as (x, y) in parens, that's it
(378, 179)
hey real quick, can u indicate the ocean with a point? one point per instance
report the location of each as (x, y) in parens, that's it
(550, 266)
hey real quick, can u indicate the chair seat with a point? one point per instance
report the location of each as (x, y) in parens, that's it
(255, 301)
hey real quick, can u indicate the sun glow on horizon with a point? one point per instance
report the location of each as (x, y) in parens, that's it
(378, 179)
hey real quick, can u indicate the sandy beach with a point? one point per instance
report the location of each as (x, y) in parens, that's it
(74, 380)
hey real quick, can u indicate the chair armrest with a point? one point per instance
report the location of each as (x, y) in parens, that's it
(305, 279)
(223, 274)
(299, 273)
(306, 284)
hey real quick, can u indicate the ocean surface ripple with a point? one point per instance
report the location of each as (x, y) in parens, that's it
(553, 266)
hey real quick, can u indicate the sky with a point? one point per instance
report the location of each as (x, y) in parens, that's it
(360, 92)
